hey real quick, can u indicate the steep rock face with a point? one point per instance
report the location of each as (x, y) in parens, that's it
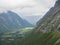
(51, 20)
(11, 21)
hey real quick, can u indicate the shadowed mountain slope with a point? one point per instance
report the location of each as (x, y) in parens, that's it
(11, 21)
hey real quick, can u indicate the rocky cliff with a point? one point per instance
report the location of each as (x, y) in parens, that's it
(51, 20)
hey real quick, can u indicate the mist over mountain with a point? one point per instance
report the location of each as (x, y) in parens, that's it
(11, 21)
(27, 23)
(33, 19)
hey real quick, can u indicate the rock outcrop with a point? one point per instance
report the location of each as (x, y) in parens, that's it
(51, 20)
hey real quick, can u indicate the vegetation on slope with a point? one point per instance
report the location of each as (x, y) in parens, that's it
(11, 38)
(40, 38)
(34, 38)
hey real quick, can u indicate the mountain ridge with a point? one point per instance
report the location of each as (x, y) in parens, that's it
(11, 21)
(51, 20)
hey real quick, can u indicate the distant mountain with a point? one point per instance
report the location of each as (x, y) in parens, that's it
(33, 19)
(11, 21)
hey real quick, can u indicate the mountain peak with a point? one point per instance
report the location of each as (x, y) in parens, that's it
(11, 21)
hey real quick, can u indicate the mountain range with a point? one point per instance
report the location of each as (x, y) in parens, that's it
(11, 21)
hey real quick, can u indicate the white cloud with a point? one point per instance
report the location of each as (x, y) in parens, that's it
(27, 7)
(39, 8)
(6, 4)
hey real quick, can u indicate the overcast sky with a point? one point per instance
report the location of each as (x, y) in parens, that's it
(27, 7)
